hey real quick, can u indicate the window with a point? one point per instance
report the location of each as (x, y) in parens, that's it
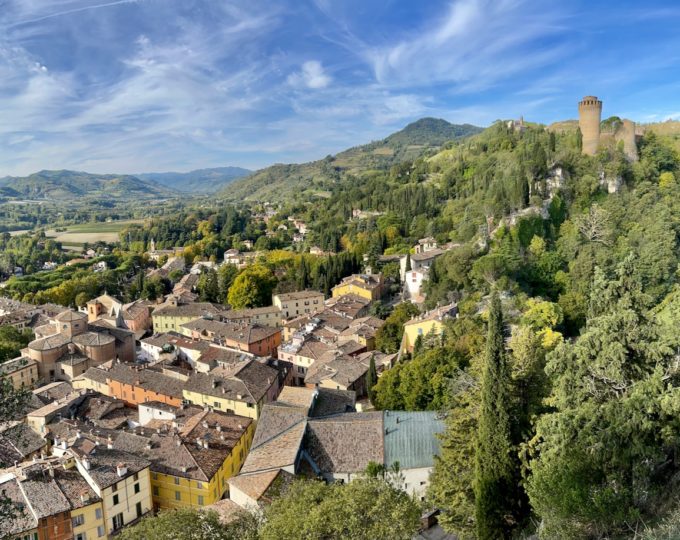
(98, 513)
(115, 500)
(78, 520)
(100, 531)
(200, 500)
(137, 487)
(178, 496)
(216, 404)
(199, 485)
(114, 488)
(138, 507)
(155, 491)
(176, 480)
(80, 536)
(117, 521)
(135, 477)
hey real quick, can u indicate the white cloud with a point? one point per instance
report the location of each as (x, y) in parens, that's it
(312, 75)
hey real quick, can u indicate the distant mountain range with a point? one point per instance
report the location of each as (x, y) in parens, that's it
(198, 181)
(70, 185)
(278, 182)
(281, 181)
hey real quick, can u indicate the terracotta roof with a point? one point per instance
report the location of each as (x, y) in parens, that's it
(93, 339)
(227, 510)
(50, 342)
(276, 418)
(346, 443)
(148, 379)
(74, 487)
(298, 295)
(103, 464)
(255, 485)
(297, 396)
(241, 333)
(70, 316)
(44, 495)
(17, 441)
(251, 380)
(16, 364)
(23, 521)
(192, 309)
(278, 452)
(343, 370)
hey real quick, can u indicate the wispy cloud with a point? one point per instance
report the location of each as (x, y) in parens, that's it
(135, 85)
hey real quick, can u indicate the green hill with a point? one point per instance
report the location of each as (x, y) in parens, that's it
(198, 181)
(316, 178)
(68, 185)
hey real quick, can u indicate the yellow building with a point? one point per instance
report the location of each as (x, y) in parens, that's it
(191, 469)
(242, 393)
(170, 316)
(22, 372)
(368, 286)
(428, 324)
(122, 481)
(298, 303)
(87, 510)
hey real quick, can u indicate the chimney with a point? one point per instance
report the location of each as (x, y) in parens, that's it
(109, 443)
(121, 469)
(178, 442)
(205, 443)
(50, 471)
(205, 424)
(86, 463)
(218, 427)
(83, 497)
(148, 445)
(64, 446)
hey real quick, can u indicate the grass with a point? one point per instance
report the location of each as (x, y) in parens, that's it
(77, 235)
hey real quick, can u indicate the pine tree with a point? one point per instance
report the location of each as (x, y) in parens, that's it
(371, 380)
(494, 466)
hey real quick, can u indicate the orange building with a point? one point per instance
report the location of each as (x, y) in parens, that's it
(134, 385)
(256, 339)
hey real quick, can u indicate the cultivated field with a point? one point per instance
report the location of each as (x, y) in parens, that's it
(77, 235)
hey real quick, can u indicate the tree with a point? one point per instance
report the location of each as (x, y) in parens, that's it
(388, 337)
(371, 379)
(364, 509)
(81, 299)
(192, 524)
(252, 287)
(208, 286)
(12, 341)
(226, 274)
(602, 459)
(494, 468)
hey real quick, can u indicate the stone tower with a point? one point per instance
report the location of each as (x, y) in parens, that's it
(589, 114)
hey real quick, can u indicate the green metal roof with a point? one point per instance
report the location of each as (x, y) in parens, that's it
(411, 438)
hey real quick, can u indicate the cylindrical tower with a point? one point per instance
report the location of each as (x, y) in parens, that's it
(589, 115)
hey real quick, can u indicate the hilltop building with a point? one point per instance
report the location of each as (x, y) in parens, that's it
(595, 135)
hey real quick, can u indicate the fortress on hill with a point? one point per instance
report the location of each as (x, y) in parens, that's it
(596, 133)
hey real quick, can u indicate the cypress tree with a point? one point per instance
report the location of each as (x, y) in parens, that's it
(371, 380)
(494, 465)
(408, 262)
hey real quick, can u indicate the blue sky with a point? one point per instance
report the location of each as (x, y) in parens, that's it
(153, 85)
